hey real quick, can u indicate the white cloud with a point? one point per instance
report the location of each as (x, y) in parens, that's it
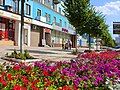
(111, 8)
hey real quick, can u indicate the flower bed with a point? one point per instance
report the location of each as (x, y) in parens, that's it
(92, 71)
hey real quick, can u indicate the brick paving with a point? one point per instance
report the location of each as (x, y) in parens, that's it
(43, 53)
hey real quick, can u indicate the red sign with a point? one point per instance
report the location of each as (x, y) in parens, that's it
(47, 30)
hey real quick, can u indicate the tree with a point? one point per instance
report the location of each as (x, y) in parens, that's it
(85, 19)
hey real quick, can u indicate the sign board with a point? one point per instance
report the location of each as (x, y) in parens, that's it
(116, 27)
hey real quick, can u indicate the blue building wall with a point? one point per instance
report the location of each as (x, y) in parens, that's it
(35, 6)
(45, 10)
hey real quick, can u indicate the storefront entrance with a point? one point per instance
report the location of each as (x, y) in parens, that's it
(48, 39)
(7, 31)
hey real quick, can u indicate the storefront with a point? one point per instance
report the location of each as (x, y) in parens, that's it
(7, 31)
(47, 36)
(58, 36)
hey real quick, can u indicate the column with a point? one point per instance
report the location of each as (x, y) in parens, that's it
(29, 34)
(17, 33)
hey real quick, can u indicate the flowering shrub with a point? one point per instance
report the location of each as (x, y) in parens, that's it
(92, 71)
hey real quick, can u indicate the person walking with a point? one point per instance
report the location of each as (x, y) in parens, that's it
(63, 44)
(52, 43)
(69, 44)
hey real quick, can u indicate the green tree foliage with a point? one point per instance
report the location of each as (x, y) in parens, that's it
(86, 20)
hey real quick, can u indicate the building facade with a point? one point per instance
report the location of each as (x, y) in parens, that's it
(44, 23)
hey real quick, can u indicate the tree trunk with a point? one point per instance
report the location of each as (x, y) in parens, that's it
(97, 43)
(89, 40)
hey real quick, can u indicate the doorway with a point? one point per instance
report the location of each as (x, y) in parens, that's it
(48, 39)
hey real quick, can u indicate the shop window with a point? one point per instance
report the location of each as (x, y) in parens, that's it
(28, 9)
(2, 31)
(11, 30)
(2, 2)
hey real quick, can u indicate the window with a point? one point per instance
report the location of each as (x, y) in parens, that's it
(47, 17)
(38, 12)
(60, 22)
(39, 1)
(28, 9)
(65, 24)
(59, 10)
(2, 2)
(15, 6)
(54, 20)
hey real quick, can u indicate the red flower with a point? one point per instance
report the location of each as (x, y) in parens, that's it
(25, 80)
(35, 82)
(75, 88)
(45, 79)
(4, 83)
(23, 88)
(34, 87)
(66, 88)
(9, 76)
(62, 77)
(28, 69)
(18, 87)
(3, 74)
(48, 83)
(16, 67)
(45, 73)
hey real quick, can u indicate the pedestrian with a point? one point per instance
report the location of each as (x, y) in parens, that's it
(66, 46)
(69, 44)
(63, 44)
(52, 43)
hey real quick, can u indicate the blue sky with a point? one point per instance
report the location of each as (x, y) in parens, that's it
(111, 10)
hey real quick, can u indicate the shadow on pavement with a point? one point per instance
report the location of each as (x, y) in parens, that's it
(36, 51)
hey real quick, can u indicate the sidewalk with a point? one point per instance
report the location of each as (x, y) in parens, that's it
(43, 53)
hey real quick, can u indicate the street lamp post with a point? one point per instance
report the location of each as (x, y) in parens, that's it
(22, 23)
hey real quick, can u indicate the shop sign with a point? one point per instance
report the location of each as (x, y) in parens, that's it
(9, 15)
(15, 17)
(27, 20)
(47, 30)
(116, 31)
(64, 30)
(1, 13)
(116, 27)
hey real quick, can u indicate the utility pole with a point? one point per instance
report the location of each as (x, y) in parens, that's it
(22, 23)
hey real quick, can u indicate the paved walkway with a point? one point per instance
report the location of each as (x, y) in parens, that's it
(43, 53)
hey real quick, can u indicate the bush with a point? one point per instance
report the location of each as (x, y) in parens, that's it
(75, 52)
(22, 56)
(88, 51)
